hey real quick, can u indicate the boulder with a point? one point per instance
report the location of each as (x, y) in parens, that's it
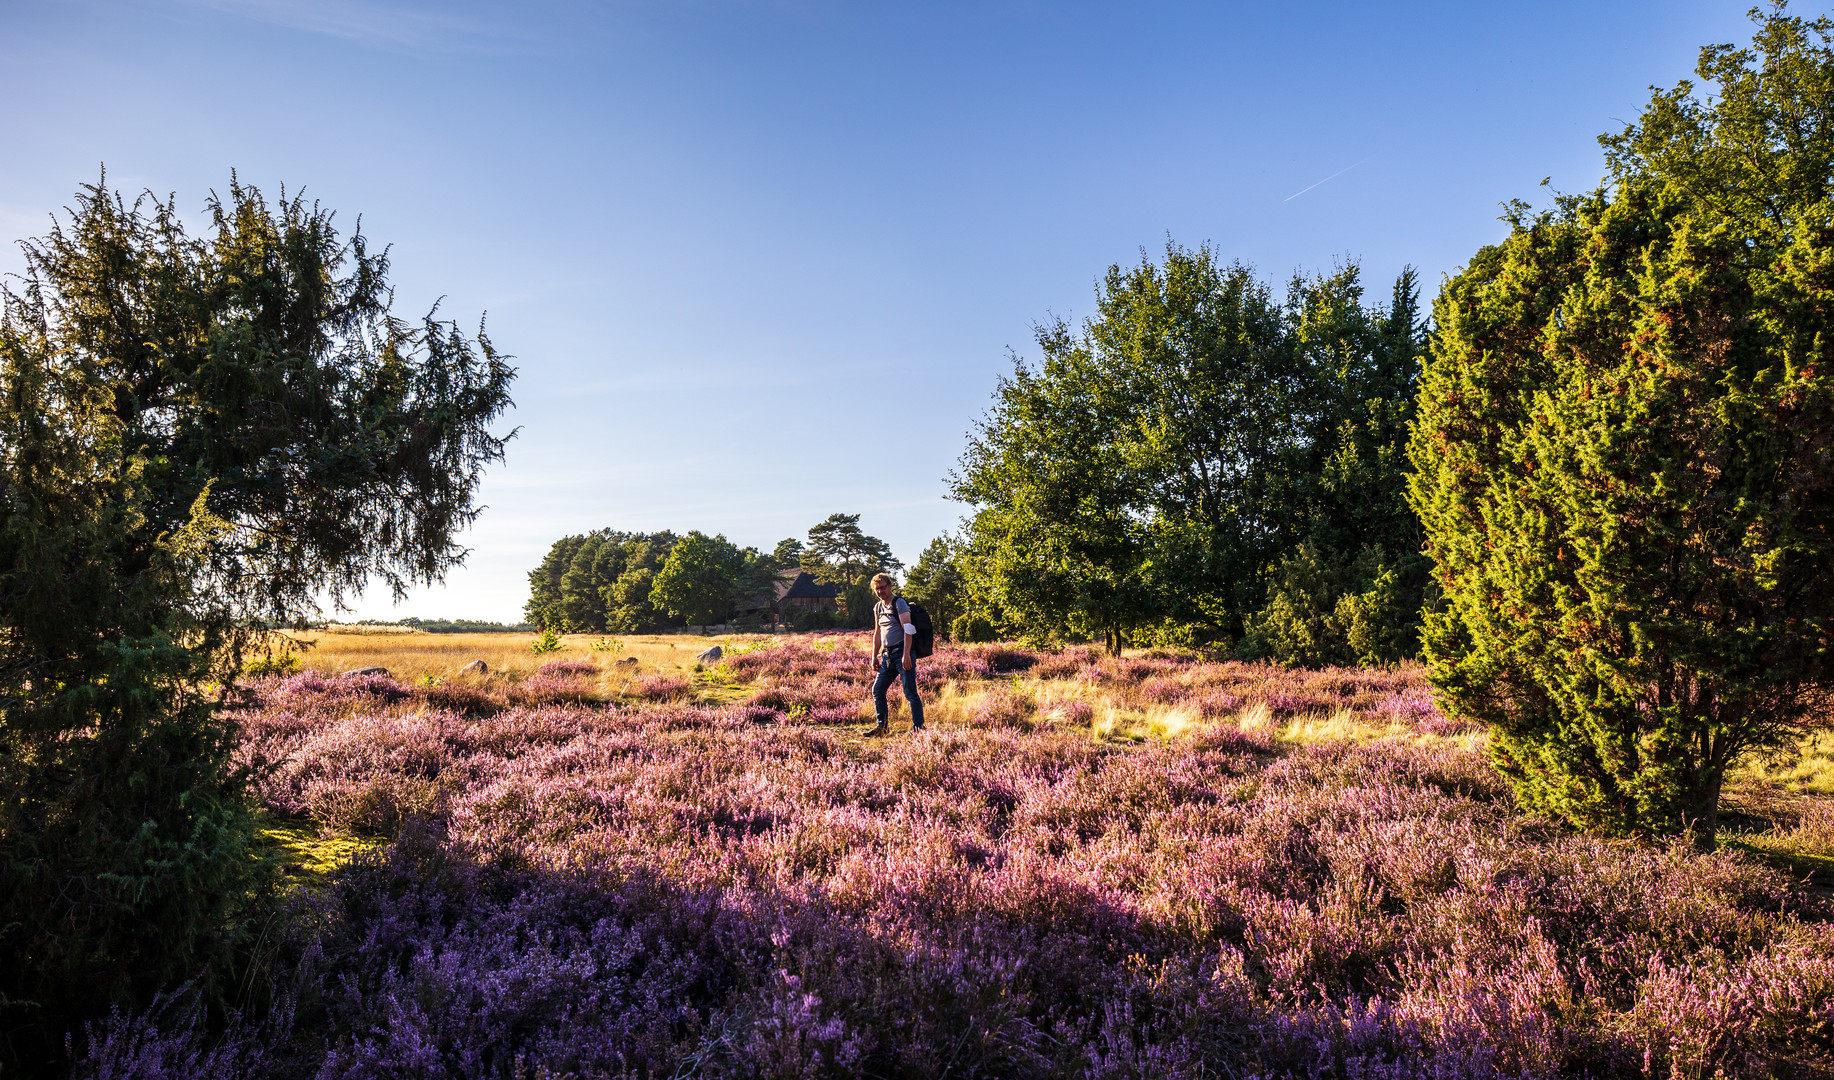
(629, 661)
(710, 656)
(476, 667)
(367, 671)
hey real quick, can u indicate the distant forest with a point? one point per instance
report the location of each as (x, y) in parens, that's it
(449, 626)
(608, 581)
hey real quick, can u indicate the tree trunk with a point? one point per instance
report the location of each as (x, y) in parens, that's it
(1706, 810)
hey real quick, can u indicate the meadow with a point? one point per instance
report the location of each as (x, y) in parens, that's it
(1154, 865)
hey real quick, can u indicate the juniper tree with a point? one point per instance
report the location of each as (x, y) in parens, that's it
(200, 436)
(1625, 454)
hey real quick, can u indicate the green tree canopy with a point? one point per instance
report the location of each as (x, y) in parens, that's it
(936, 583)
(839, 553)
(580, 585)
(1146, 473)
(1626, 454)
(199, 436)
(697, 582)
(630, 608)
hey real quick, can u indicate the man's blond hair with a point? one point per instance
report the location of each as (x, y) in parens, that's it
(885, 577)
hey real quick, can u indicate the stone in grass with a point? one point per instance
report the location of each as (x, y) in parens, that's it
(710, 656)
(476, 667)
(367, 671)
(629, 661)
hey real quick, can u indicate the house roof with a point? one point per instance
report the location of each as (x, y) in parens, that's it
(799, 583)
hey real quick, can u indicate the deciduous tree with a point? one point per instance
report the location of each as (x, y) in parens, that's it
(1146, 474)
(936, 583)
(697, 582)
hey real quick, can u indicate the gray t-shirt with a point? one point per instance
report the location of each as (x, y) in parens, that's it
(891, 631)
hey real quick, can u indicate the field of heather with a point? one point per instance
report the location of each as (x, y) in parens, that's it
(1152, 866)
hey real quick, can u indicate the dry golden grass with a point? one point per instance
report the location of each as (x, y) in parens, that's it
(410, 657)
(1809, 770)
(1116, 718)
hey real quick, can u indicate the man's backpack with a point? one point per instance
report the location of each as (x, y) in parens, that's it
(925, 642)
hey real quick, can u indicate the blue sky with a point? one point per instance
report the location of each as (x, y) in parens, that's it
(734, 243)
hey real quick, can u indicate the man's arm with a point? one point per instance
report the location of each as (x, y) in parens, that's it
(910, 634)
(875, 637)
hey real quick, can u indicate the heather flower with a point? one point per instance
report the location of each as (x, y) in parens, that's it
(1216, 703)
(568, 667)
(1167, 691)
(662, 688)
(1004, 708)
(313, 687)
(1003, 659)
(668, 888)
(1294, 704)
(545, 689)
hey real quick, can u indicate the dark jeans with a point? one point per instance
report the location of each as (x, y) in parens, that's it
(892, 667)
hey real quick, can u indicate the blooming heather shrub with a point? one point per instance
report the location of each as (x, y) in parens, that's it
(1700, 1019)
(539, 689)
(1413, 704)
(798, 657)
(674, 889)
(1815, 827)
(316, 688)
(1136, 671)
(954, 664)
(832, 714)
(1166, 691)
(375, 805)
(522, 729)
(1296, 704)
(757, 714)
(140, 1048)
(1064, 664)
(826, 692)
(362, 774)
(568, 667)
(677, 717)
(1212, 704)
(662, 688)
(1004, 708)
(466, 700)
(772, 697)
(1004, 659)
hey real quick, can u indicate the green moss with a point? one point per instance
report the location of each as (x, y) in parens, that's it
(1782, 854)
(304, 853)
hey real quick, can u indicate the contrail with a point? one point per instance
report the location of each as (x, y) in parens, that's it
(1326, 180)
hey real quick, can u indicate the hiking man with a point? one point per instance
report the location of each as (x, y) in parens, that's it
(893, 638)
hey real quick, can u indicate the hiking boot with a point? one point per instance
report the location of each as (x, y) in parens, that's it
(875, 732)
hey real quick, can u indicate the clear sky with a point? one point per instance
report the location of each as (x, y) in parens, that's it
(736, 244)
